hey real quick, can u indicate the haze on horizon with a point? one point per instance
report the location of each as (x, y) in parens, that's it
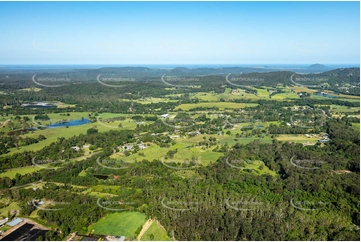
(179, 32)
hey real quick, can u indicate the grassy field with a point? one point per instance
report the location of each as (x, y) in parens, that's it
(12, 206)
(119, 224)
(344, 109)
(155, 233)
(237, 93)
(302, 89)
(255, 165)
(21, 170)
(282, 96)
(153, 152)
(262, 93)
(356, 126)
(297, 138)
(220, 105)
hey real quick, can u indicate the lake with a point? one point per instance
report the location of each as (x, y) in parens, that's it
(71, 123)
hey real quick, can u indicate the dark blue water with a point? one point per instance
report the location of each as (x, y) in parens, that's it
(259, 126)
(325, 95)
(76, 122)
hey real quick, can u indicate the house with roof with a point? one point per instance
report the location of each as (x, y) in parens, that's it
(166, 115)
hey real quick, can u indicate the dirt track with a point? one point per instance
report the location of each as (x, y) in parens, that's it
(146, 226)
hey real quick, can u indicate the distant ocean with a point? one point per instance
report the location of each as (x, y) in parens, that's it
(169, 66)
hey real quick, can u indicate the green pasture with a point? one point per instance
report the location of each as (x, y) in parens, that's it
(119, 224)
(155, 233)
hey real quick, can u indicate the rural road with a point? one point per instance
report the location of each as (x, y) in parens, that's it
(146, 226)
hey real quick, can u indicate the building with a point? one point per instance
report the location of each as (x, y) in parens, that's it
(142, 146)
(76, 148)
(164, 115)
(128, 147)
(2, 222)
(15, 222)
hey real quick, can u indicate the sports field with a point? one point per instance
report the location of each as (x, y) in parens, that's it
(119, 224)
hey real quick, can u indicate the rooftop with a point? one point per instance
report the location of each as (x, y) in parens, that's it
(15, 222)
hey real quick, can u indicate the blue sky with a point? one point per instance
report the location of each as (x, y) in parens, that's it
(179, 32)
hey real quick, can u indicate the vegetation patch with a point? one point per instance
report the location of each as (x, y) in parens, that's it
(119, 224)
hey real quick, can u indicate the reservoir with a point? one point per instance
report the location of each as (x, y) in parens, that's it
(71, 123)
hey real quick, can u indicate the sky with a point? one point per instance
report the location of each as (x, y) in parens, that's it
(179, 32)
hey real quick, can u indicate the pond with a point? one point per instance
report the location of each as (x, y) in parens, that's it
(102, 177)
(325, 95)
(71, 123)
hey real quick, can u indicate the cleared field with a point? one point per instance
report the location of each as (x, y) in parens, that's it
(220, 105)
(21, 170)
(260, 168)
(302, 89)
(185, 151)
(12, 206)
(344, 109)
(282, 96)
(297, 138)
(119, 224)
(155, 233)
(262, 93)
(356, 126)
